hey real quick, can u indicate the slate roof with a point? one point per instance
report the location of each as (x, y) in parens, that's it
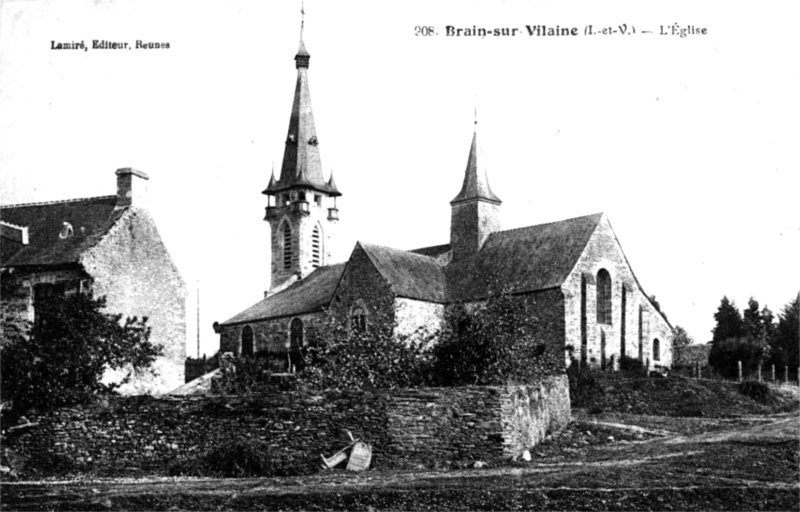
(476, 183)
(90, 220)
(409, 274)
(312, 293)
(525, 259)
(301, 165)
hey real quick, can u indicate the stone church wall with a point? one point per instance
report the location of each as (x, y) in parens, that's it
(434, 427)
(270, 336)
(132, 268)
(603, 252)
(362, 285)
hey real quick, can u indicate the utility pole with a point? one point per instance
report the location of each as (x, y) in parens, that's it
(197, 287)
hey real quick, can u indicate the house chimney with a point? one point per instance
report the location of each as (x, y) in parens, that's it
(125, 185)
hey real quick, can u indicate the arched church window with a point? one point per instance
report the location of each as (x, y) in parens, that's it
(656, 350)
(316, 247)
(247, 341)
(296, 335)
(358, 320)
(603, 297)
(641, 333)
(286, 232)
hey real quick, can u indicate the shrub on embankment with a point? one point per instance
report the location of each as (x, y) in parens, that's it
(672, 396)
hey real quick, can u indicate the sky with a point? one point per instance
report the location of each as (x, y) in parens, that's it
(688, 144)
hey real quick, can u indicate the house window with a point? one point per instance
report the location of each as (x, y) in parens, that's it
(295, 335)
(318, 199)
(656, 350)
(302, 196)
(358, 320)
(316, 247)
(247, 341)
(603, 297)
(287, 246)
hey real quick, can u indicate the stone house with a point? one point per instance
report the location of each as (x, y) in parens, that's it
(108, 246)
(585, 298)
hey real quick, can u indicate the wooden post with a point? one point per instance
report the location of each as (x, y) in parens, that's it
(740, 370)
(773, 373)
(786, 374)
(759, 372)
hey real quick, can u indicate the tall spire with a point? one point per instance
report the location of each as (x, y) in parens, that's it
(476, 183)
(301, 165)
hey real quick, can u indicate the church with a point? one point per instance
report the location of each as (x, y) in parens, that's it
(585, 298)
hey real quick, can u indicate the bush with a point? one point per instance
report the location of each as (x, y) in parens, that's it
(725, 356)
(584, 387)
(631, 364)
(758, 391)
(62, 358)
(491, 344)
(370, 357)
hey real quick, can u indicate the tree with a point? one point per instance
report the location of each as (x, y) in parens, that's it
(785, 341)
(62, 358)
(680, 337)
(491, 343)
(364, 353)
(729, 321)
(752, 322)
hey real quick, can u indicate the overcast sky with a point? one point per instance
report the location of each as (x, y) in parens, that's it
(689, 144)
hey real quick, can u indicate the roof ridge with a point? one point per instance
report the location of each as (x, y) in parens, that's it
(364, 244)
(547, 223)
(60, 201)
(428, 247)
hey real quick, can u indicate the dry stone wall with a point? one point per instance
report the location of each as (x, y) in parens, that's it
(433, 427)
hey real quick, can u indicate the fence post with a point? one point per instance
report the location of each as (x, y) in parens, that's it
(786, 374)
(740, 370)
(773, 373)
(759, 372)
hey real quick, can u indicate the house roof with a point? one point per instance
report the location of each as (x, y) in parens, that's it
(525, 259)
(312, 293)
(409, 274)
(89, 219)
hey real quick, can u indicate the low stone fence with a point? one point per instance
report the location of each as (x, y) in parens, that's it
(429, 427)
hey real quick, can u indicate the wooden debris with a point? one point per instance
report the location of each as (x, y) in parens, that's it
(360, 457)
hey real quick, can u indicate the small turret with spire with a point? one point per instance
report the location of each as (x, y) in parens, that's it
(475, 211)
(301, 204)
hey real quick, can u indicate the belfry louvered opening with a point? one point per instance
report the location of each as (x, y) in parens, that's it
(316, 248)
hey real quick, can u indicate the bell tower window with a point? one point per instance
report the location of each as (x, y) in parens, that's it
(316, 247)
(287, 246)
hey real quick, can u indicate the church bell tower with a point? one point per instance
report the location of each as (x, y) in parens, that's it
(475, 211)
(301, 204)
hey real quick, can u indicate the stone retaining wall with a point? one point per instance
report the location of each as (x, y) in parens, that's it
(430, 427)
